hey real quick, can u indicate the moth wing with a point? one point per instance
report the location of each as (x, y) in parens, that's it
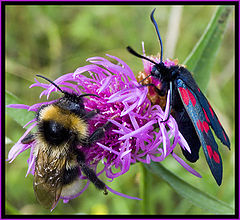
(186, 128)
(196, 114)
(212, 118)
(48, 178)
(209, 113)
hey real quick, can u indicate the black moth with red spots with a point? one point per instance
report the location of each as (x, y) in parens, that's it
(192, 111)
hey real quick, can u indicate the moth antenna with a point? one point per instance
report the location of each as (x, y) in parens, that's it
(144, 78)
(159, 36)
(130, 50)
(89, 94)
(51, 83)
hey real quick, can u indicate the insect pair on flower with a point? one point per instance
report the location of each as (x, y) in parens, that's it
(65, 149)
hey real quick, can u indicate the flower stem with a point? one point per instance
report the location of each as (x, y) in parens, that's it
(145, 184)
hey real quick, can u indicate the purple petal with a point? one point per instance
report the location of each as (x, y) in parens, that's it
(128, 108)
(125, 153)
(92, 68)
(121, 194)
(21, 106)
(166, 141)
(143, 49)
(143, 96)
(167, 107)
(133, 121)
(30, 122)
(143, 129)
(158, 158)
(35, 107)
(183, 143)
(128, 69)
(107, 148)
(19, 147)
(185, 165)
(121, 126)
(105, 84)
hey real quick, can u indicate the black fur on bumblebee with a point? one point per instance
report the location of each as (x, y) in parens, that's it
(61, 128)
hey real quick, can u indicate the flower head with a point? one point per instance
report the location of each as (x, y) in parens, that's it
(138, 132)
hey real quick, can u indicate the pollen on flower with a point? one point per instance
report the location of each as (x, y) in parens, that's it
(152, 94)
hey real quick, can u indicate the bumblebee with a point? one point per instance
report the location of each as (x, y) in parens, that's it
(61, 128)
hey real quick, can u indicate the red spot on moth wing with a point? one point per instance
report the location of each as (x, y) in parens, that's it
(216, 157)
(192, 98)
(184, 95)
(205, 126)
(199, 125)
(210, 108)
(205, 115)
(211, 112)
(210, 152)
(224, 136)
(198, 90)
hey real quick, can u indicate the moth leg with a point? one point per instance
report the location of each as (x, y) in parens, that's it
(28, 139)
(159, 92)
(90, 174)
(162, 93)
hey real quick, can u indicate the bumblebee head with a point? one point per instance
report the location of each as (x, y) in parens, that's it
(70, 101)
(73, 103)
(62, 121)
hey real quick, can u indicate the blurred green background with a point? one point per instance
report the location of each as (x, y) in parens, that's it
(54, 40)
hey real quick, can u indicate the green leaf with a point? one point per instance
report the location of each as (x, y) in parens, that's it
(21, 116)
(201, 59)
(189, 192)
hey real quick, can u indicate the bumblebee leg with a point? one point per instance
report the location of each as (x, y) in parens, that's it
(28, 139)
(91, 114)
(90, 174)
(70, 175)
(99, 133)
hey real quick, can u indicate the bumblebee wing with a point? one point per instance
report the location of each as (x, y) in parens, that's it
(48, 176)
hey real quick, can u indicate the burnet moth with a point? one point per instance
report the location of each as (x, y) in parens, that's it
(192, 111)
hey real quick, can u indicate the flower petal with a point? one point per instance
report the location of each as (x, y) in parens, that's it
(140, 130)
(121, 194)
(185, 165)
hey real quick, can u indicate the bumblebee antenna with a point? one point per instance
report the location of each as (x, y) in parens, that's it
(130, 50)
(51, 83)
(89, 94)
(159, 37)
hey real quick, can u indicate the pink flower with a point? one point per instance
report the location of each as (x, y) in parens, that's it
(138, 133)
